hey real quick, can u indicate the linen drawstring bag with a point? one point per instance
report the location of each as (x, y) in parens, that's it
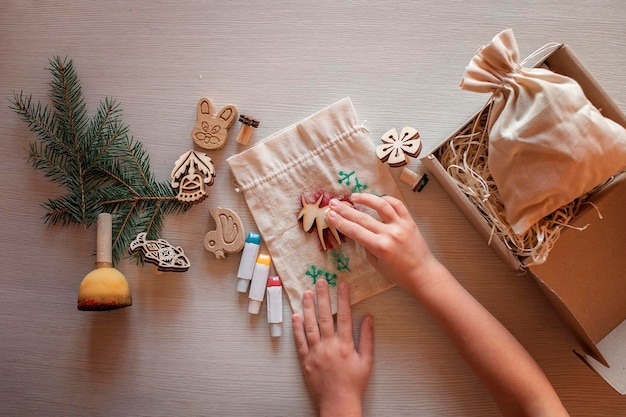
(548, 145)
(328, 154)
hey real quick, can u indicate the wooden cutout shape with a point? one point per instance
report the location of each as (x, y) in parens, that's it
(395, 149)
(230, 235)
(193, 173)
(211, 129)
(313, 213)
(159, 252)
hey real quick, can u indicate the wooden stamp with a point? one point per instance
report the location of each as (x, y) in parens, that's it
(313, 213)
(104, 288)
(193, 173)
(416, 182)
(160, 253)
(230, 235)
(211, 128)
(248, 124)
(396, 149)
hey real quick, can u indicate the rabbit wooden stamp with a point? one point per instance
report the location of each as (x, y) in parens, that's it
(230, 235)
(211, 128)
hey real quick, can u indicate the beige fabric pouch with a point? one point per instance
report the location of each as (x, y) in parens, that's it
(548, 145)
(328, 154)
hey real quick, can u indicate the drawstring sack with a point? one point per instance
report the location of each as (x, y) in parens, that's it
(548, 145)
(326, 155)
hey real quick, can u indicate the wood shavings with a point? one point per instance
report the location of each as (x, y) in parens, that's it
(465, 160)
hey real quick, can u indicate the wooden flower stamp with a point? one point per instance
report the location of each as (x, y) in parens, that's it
(396, 149)
(211, 128)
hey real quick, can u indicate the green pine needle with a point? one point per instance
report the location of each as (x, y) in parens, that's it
(102, 168)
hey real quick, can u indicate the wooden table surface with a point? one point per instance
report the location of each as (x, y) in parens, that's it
(188, 345)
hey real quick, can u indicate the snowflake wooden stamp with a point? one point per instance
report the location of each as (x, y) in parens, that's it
(316, 213)
(396, 149)
(230, 235)
(193, 173)
(159, 252)
(211, 128)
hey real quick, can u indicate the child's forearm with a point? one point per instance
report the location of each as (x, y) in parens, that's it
(514, 379)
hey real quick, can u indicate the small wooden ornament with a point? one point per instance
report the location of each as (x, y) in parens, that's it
(416, 181)
(160, 253)
(211, 128)
(313, 213)
(193, 173)
(230, 235)
(248, 124)
(395, 149)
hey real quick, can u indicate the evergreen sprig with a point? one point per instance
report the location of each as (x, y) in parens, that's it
(102, 168)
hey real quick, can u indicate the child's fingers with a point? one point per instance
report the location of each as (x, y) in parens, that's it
(311, 329)
(324, 311)
(382, 206)
(350, 228)
(366, 340)
(302, 347)
(355, 216)
(344, 314)
(398, 206)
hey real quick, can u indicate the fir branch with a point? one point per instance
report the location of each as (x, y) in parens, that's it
(105, 129)
(101, 167)
(53, 163)
(40, 120)
(66, 96)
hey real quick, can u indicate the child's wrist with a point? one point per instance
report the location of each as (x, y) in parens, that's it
(341, 407)
(430, 270)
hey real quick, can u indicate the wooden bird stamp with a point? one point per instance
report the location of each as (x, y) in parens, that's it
(211, 128)
(193, 173)
(230, 235)
(159, 252)
(396, 149)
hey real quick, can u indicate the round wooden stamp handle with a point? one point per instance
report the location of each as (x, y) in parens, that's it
(103, 240)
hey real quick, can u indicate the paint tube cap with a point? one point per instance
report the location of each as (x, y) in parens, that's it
(276, 329)
(254, 307)
(242, 284)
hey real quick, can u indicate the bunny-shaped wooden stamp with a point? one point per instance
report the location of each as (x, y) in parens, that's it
(211, 128)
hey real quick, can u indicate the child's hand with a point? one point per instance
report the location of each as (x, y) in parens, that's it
(336, 373)
(394, 245)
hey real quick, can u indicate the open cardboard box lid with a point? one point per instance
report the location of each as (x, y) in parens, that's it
(585, 279)
(585, 274)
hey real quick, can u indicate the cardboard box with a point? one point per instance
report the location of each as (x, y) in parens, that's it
(584, 276)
